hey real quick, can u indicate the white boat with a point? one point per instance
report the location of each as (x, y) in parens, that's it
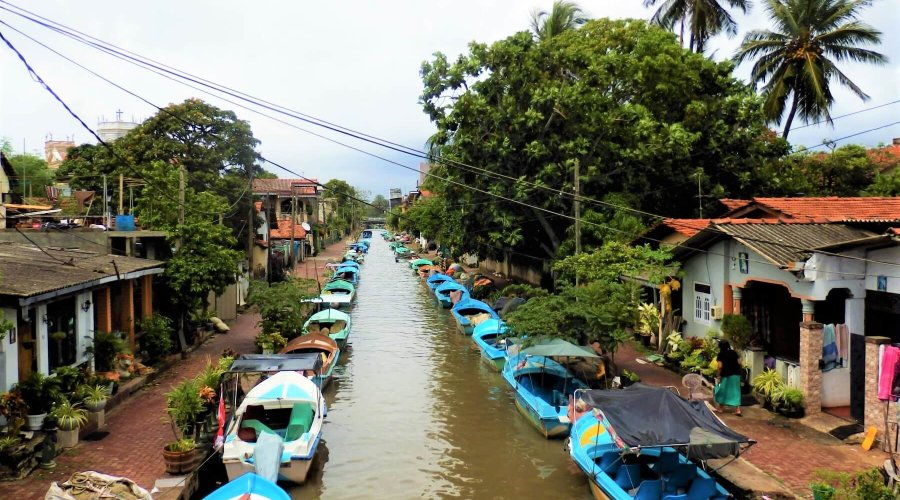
(286, 403)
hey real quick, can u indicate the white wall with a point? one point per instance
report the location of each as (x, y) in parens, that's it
(40, 335)
(84, 325)
(874, 270)
(9, 355)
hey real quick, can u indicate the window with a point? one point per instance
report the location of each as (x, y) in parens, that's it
(702, 302)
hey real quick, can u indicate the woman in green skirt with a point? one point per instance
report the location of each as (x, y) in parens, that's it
(728, 380)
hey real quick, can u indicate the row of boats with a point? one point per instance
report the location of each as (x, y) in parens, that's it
(639, 442)
(275, 428)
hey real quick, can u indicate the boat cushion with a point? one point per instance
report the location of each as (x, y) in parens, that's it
(649, 490)
(610, 462)
(702, 488)
(681, 477)
(628, 476)
(258, 426)
(247, 434)
(301, 421)
(668, 462)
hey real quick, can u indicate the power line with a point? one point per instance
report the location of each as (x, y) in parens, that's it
(846, 115)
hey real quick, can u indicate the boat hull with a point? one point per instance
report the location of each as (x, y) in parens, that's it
(294, 471)
(550, 428)
(496, 363)
(465, 329)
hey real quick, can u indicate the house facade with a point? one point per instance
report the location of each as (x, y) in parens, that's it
(57, 299)
(789, 264)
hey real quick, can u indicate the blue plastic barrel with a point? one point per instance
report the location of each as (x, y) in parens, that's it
(124, 223)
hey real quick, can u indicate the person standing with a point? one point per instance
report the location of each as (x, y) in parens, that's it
(728, 380)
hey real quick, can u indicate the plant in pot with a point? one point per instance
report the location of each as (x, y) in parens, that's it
(766, 385)
(14, 410)
(183, 407)
(788, 401)
(648, 321)
(69, 418)
(39, 391)
(94, 396)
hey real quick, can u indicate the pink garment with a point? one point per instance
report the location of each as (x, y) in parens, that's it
(886, 372)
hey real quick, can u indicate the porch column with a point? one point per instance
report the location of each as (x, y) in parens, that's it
(103, 305)
(808, 308)
(147, 296)
(126, 313)
(40, 336)
(810, 371)
(736, 293)
(874, 408)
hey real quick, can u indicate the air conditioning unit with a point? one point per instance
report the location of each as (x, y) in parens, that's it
(715, 312)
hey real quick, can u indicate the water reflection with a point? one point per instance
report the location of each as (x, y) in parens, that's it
(414, 413)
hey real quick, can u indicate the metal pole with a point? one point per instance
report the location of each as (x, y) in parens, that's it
(577, 213)
(293, 225)
(105, 207)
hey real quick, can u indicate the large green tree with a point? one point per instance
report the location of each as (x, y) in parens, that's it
(703, 19)
(379, 206)
(562, 17)
(636, 111)
(33, 174)
(797, 60)
(349, 209)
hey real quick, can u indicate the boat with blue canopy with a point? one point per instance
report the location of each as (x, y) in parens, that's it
(543, 386)
(249, 487)
(276, 429)
(442, 293)
(349, 274)
(491, 338)
(338, 324)
(437, 279)
(469, 312)
(336, 289)
(321, 345)
(642, 442)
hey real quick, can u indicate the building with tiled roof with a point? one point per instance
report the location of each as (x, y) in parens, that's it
(831, 208)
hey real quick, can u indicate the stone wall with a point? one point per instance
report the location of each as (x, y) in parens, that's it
(513, 270)
(810, 371)
(875, 408)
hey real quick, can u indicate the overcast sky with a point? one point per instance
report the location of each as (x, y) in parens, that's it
(355, 63)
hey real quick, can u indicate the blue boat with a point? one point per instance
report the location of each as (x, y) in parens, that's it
(349, 274)
(543, 386)
(635, 443)
(435, 280)
(249, 487)
(367, 233)
(442, 293)
(469, 312)
(490, 337)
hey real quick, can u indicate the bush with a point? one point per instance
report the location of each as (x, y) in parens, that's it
(767, 383)
(865, 485)
(107, 345)
(156, 337)
(737, 330)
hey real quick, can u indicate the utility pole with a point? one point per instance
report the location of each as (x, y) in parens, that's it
(181, 338)
(291, 260)
(251, 228)
(105, 204)
(699, 193)
(577, 212)
(121, 194)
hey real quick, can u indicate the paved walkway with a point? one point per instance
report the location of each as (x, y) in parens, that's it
(138, 428)
(786, 449)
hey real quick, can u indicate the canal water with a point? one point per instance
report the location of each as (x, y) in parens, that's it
(414, 413)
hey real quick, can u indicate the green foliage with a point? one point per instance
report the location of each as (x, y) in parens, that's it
(105, 348)
(630, 375)
(69, 377)
(182, 445)
(884, 185)
(701, 19)
(524, 291)
(614, 260)
(184, 406)
(797, 60)
(562, 17)
(788, 398)
(614, 96)
(380, 205)
(865, 485)
(8, 442)
(210, 375)
(648, 319)
(272, 341)
(156, 337)
(737, 330)
(39, 391)
(33, 174)
(69, 416)
(767, 383)
(93, 394)
(349, 211)
(281, 305)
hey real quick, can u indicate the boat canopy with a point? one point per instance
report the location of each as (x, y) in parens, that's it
(438, 278)
(329, 315)
(255, 363)
(347, 269)
(559, 347)
(490, 326)
(449, 286)
(650, 417)
(348, 263)
(339, 284)
(420, 262)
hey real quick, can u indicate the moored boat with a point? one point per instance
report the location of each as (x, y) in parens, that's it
(337, 322)
(285, 407)
(248, 487)
(543, 386)
(635, 443)
(318, 344)
(338, 289)
(491, 338)
(435, 280)
(469, 312)
(349, 274)
(442, 293)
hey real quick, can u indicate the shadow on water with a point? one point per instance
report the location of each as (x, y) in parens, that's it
(413, 412)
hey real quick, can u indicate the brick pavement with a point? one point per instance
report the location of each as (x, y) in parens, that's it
(785, 449)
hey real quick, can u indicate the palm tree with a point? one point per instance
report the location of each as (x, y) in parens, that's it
(703, 18)
(563, 16)
(798, 58)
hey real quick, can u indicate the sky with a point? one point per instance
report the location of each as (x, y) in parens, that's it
(351, 62)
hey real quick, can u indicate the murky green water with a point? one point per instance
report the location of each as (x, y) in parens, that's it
(414, 413)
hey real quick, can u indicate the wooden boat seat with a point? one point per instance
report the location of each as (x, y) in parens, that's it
(301, 421)
(649, 490)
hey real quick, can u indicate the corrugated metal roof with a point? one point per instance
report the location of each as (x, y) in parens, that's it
(784, 244)
(282, 187)
(26, 271)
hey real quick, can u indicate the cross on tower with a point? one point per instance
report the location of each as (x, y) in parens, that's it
(119, 115)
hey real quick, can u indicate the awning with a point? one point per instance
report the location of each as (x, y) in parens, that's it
(559, 347)
(254, 363)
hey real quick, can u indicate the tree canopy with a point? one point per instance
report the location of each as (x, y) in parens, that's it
(639, 114)
(702, 18)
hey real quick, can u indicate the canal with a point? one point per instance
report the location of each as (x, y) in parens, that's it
(414, 413)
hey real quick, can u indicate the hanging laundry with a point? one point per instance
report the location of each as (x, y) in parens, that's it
(843, 333)
(829, 348)
(886, 372)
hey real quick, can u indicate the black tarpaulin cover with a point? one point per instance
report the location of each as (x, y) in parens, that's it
(644, 416)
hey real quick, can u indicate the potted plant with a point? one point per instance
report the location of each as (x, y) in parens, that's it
(180, 456)
(766, 384)
(183, 406)
(788, 401)
(265, 344)
(39, 391)
(69, 418)
(648, 321)
(629, 377)
(14, 409)
(94, 397)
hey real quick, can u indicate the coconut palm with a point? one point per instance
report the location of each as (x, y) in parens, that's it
(798, 58)
(563, 16)
(703, 18)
